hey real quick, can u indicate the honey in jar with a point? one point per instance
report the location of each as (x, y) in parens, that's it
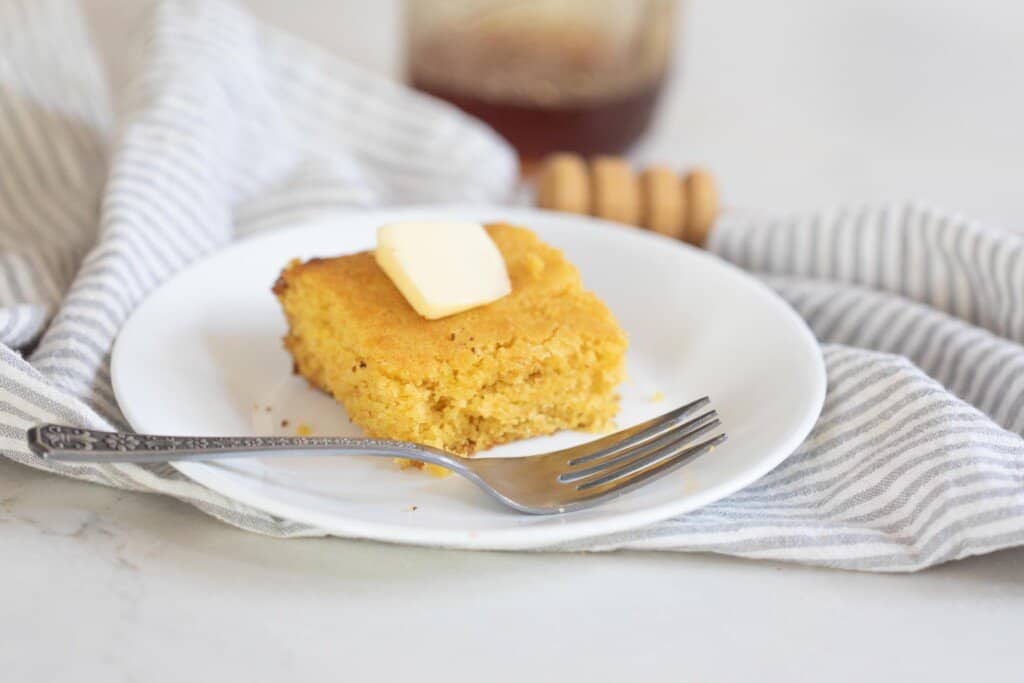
(548, 75)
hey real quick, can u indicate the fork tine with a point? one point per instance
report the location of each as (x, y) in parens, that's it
(660, 468)
(668, 438)
(648, 458)
(642, 433)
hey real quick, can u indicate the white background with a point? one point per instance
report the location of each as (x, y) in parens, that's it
(794, 105)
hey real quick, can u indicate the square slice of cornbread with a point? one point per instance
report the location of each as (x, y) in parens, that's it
(546, 357)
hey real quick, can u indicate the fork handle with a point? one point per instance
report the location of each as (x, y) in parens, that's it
(73, 444)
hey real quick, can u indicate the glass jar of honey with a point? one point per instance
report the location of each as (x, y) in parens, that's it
(572, 75)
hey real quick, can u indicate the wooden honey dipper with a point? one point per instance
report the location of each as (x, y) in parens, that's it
(606, 187)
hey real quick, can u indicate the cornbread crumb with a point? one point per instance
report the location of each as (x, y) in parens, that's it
(430, 468)
(436, 470)
(303, 430)
(548, 356)
(658, 397)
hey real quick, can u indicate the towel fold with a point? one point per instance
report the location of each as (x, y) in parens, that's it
(230, 128)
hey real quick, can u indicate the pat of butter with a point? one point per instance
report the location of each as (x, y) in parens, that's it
(442, 267)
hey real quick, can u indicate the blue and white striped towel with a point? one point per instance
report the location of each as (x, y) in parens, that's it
(230, 128)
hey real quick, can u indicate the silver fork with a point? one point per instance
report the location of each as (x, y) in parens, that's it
(560, 481)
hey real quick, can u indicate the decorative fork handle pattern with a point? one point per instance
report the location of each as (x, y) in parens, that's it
(546, 483)
(58, 442)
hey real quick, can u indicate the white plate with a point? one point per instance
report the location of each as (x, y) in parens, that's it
(203, 356)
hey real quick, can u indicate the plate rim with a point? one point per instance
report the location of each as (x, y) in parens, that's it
(512, 538)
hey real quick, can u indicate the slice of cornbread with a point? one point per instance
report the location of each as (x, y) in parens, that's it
(548, 356)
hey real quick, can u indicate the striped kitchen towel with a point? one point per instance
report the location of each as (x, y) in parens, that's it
(230, 127)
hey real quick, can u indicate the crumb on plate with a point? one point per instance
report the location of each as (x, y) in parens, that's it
(431, 469)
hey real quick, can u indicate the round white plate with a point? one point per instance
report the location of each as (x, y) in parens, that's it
(203, 356)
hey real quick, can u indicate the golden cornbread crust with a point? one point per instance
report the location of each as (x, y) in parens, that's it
(546, 357)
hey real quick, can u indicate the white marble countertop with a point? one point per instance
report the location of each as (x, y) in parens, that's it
(797, 106)
(100, 584)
